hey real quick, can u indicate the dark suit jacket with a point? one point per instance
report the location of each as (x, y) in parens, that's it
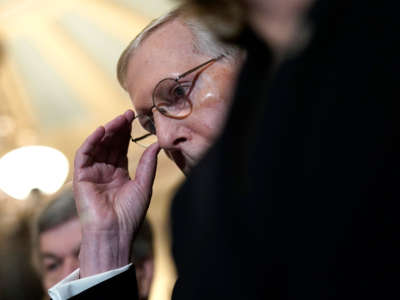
(121, 286)
(299, 197)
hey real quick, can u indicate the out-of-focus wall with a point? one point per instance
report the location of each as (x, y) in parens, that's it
(58, 83)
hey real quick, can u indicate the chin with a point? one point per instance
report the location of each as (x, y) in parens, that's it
(183, 166)
(182, 163)
(186, 170)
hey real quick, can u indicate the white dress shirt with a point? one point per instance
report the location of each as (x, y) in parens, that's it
(73, 285)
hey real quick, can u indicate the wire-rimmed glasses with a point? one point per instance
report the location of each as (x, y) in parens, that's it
(171, 99)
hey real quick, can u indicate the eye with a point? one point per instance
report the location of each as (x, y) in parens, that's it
(150, 127)
(147, 123)
(51, 267)
(181, 90)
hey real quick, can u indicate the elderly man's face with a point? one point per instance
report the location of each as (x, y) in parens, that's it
(168, 52)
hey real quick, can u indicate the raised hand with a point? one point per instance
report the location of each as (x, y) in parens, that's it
(110, 204)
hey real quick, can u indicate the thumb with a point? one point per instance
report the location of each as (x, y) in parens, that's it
(146, 169)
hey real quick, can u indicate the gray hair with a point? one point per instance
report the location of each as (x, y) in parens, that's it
(59, 210)
(204, 41)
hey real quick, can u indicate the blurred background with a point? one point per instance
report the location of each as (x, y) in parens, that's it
(57, 84)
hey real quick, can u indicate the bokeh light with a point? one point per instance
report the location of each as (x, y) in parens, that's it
(32, 167)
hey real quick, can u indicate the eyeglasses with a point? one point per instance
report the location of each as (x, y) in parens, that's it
(171, 99)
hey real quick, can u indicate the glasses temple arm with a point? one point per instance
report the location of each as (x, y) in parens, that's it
(198, 67)
(140, 138)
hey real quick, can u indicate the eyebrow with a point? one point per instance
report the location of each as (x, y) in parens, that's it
(50, 255)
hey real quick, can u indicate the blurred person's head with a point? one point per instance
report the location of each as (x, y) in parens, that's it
(142, 256)
(57, 238)
(225, 18)
(187, 111)
(277, 21)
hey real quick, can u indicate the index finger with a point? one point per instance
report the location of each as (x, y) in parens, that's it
(119, 123)
(117, 136)
(83, 156)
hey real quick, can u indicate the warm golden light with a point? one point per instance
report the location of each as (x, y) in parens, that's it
(32, 167)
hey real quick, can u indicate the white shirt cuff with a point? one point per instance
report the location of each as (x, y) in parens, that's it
(72, 285)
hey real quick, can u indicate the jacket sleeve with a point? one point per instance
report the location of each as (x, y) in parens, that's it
(121, 284)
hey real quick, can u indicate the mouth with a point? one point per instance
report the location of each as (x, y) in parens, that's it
(183, 162)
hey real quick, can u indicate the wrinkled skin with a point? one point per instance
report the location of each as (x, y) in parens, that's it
(110, 203)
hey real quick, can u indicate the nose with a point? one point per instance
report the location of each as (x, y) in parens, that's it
(171, 133)
(71, 263)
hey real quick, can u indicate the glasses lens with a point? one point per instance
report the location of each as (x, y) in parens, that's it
(143, 131)
(171, 98)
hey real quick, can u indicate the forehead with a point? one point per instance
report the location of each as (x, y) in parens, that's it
(166, 52)
(168, 42)
(61, 237)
